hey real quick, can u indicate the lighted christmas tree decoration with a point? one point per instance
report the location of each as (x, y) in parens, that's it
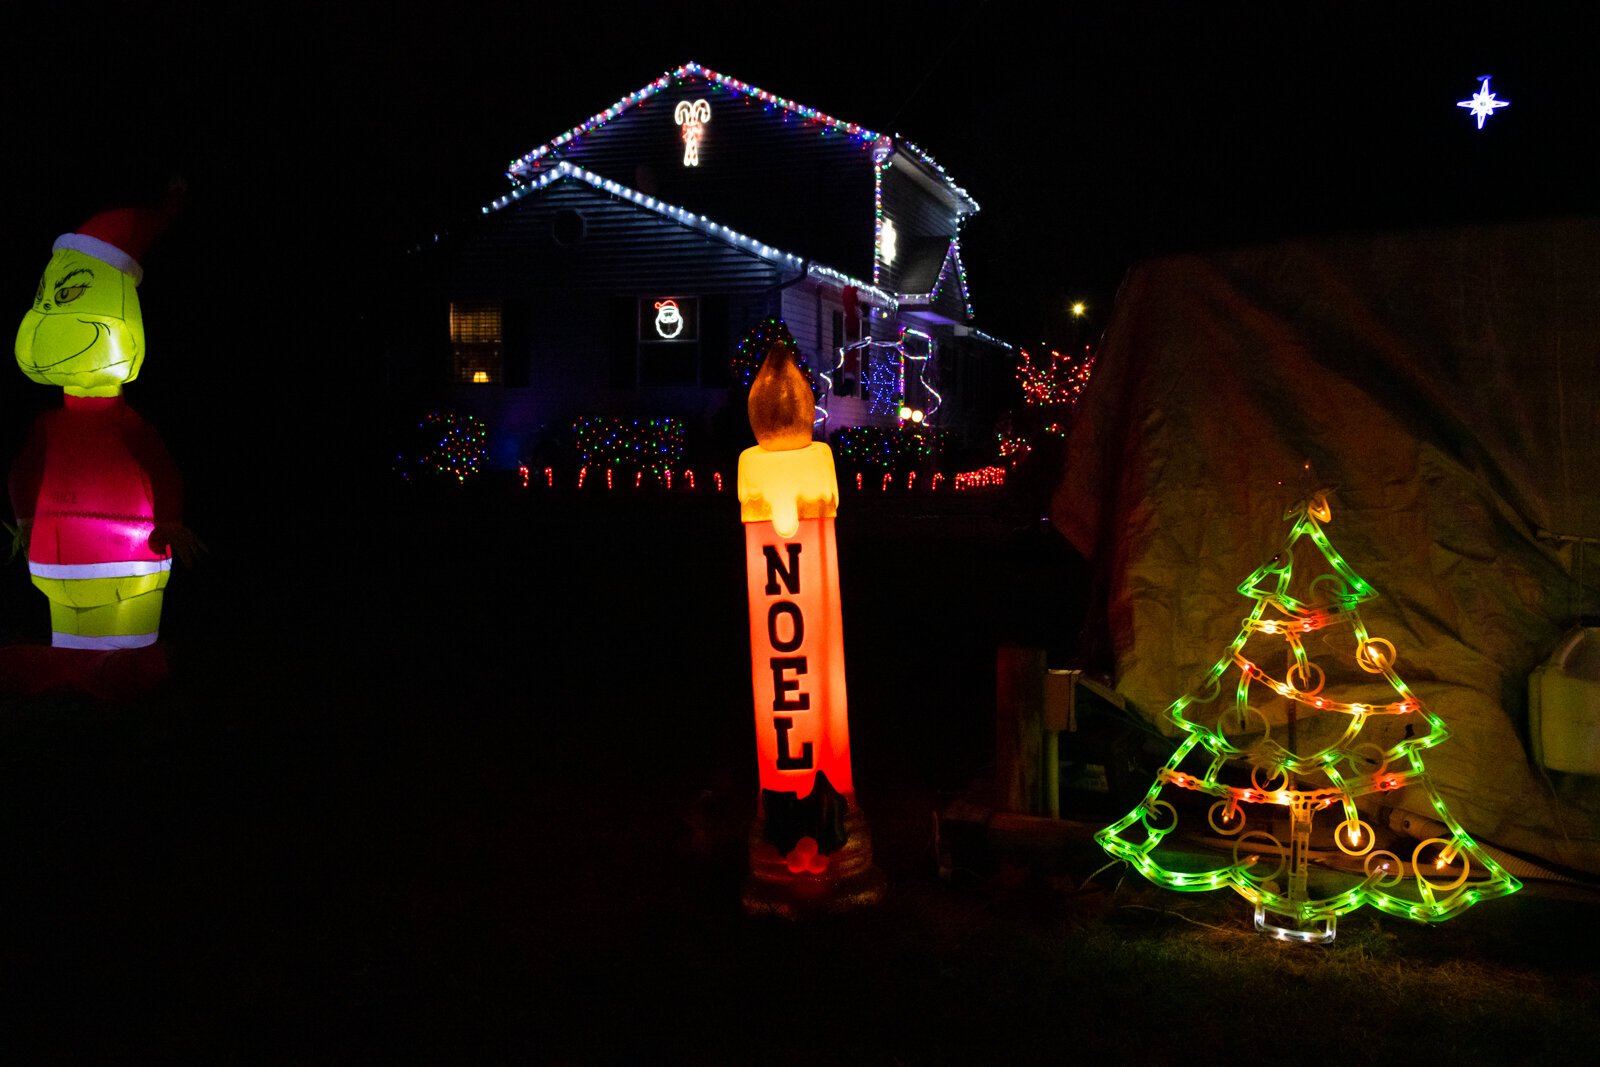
(1483, 103)
(1288, 770)
(810, 849)
(97, 498)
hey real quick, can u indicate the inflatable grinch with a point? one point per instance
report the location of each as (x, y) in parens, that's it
(96, 496)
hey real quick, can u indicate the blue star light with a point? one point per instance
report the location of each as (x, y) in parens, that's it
(1483, 102)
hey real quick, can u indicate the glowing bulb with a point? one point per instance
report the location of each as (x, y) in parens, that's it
(888, 242)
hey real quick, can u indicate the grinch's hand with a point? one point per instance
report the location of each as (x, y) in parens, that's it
(21, 534)
(176, 540)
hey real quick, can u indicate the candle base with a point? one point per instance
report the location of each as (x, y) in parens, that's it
(846, 879)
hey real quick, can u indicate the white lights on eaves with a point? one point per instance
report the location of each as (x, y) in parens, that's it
(990, 339)
(883, 298)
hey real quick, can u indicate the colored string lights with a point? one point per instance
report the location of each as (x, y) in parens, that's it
(639, 445)
(890, 448)
(982, 478)
(1273, 751)
(1060, 380)
(521, 169)
(950, 265)
(448, 446)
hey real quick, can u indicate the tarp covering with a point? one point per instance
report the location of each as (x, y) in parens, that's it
(1447, 383)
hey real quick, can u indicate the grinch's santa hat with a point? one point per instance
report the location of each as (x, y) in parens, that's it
(121, 236)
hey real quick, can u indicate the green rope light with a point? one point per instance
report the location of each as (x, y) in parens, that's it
(1258, 782)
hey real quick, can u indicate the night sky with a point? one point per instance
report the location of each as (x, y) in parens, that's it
(1091, 140)
(318, 142)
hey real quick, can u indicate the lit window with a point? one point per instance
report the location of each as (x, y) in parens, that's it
(669, 340)
(476, 343)
(888, 242)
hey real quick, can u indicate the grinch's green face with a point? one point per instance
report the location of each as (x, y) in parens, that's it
(85, 331)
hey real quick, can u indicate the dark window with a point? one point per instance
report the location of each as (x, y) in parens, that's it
(845, 372)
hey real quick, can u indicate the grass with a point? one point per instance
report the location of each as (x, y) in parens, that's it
(477, 793)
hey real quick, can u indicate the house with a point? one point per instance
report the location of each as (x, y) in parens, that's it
(635, 250)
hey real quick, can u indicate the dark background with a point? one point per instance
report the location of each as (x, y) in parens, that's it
(1092, 137)
(319, 142)
(467, 778)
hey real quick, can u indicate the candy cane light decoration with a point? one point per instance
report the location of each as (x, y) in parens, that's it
(692, 117)
(810, 848)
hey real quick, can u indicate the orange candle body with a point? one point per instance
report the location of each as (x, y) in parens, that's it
(796, 632)
(810, 848)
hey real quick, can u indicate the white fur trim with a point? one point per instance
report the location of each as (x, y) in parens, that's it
(104, 251)
(123, 569)
(103, 644)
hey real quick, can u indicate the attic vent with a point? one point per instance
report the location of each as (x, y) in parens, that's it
(567, 229)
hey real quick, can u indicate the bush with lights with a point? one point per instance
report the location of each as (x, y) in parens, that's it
(651, 446)
(444, 447)
(884, 449)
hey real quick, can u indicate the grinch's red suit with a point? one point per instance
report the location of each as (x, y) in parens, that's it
(95, 480)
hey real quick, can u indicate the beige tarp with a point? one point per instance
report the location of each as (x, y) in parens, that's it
(1448, 383)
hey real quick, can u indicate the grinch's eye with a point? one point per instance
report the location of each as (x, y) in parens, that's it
(38, 297)
(68, 293)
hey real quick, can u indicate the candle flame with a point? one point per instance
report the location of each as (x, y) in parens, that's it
(780, 402)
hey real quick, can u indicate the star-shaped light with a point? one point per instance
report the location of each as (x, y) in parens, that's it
(1483, 102)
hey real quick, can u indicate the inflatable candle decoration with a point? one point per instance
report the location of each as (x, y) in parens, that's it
(96, 496)
(810, 848)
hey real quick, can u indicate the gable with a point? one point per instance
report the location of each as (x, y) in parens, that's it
(760, 163)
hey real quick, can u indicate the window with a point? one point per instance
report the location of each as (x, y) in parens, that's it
(477, 343)
(669, 340)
